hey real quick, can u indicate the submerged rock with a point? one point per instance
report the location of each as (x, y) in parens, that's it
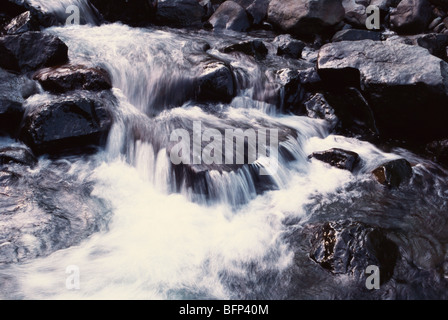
(339, 158)
(350, 247)
(67, 123)
(73, 77)
(31, 50)
(393, 173)
(17, 155)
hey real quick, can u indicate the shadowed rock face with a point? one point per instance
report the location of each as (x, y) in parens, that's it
(405, 86)
(180, 13)
(31, 50)
(135, 12)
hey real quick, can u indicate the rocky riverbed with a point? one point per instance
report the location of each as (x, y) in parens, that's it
(90, 91)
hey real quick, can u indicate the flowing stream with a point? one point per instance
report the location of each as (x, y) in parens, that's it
(152, 237)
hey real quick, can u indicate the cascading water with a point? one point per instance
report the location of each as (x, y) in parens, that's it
(153, 237)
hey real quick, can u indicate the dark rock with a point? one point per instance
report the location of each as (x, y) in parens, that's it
(132, 12)
(305, 17)
(283, 90)
(17, 155)
(216, 83)
(393, 173)
(180, 13)
(289, 47)
(67, 123)
(11, 113)
(39, 18)
(254, 48)
(411, 16)
(73, 77)
(32, 50)
(352, 109)
(405, 86)
(317, 107)
(439, 151)
(230, 16)
(310, 79)
(339, 158)
(20, 24)
(350, 247)
(257, 9)
(356, 34)
(435, 43)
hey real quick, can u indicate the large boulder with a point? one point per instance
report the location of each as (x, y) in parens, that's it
(67, 123)
(20, 24)
(11, 9)
(180, 13)
(405, 86)
(132, 12)
(31, 50)
(215, 83)
(231, 16)
(73, 77)
(305, 17)
(411, 16)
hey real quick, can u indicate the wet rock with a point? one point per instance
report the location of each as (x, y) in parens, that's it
(393, 173)
(317, 107)
(180, 13)
(438, 150)
(254, 48)
(305, 17)
(67, 123)
(310, 79)
(230, 16)
(339, 158)
(288, 46)
(352, 109)
(404, 85)
(73, 77)
(350, 247)
(283, 90)
(20, 24)
(411, 16)
(216, 83)
(256, 9)
(135, 12)
(356, 34)
(31, 50)
(39, 18)
(17, 155)
(11, 113)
